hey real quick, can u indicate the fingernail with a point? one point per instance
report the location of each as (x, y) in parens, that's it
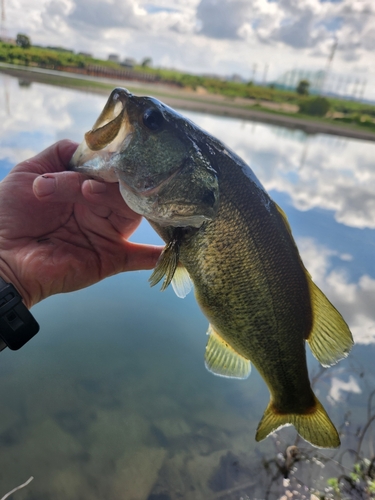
(44, 185)
(97, 187)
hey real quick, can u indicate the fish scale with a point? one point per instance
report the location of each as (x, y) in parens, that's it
(225, 234)
(246, 279)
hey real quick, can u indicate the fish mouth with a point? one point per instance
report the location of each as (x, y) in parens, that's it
(110, 133)
(110, 122)
(101, 151)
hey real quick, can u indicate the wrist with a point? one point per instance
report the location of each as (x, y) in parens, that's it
(9, 276)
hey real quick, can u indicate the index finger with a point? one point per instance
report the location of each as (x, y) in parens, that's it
(55, 158)
(107, 194)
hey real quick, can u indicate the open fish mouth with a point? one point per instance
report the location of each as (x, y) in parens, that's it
(110, 134)
(111, 120)
(101, 154)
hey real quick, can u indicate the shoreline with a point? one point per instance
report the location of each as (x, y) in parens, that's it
(188, 100)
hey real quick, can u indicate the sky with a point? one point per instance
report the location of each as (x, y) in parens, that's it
(252, 38)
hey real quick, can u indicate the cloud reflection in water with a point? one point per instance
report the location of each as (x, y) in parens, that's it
(327, 188)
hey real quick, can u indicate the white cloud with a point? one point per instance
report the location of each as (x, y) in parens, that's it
(355, 300)
(33, 118)
(338, 386)
(317, 172)
(224, 37)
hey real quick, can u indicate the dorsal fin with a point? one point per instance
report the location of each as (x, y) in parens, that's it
(285, 218)
(330, 339)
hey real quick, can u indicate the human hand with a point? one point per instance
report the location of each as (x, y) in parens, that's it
(60, 232)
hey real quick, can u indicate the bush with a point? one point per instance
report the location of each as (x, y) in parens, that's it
(314, 106)
(303, 87)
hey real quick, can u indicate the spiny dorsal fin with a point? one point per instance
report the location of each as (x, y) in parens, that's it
(221, 359)
(330, 339)
(284, 217)
(166, 265)
(181, 281)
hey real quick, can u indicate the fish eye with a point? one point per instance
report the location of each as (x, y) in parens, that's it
(153, 118)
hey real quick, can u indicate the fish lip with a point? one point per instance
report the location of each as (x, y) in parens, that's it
(148, 192)
(86, 157)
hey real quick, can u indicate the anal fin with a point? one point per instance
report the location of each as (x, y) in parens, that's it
(221, 359)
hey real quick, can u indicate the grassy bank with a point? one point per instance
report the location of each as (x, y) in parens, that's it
(284, 113)
(59, 58)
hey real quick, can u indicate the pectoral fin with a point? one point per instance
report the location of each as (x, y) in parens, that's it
(166, 265)
(221, 359)
(181, 281)
(330, 339)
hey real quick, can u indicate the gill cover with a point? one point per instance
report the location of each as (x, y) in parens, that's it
(162, 172)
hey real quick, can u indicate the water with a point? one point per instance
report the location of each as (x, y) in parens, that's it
(112, 400)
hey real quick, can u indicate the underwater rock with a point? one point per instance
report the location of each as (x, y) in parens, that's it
(68, 483)
(173, 479)
(201, 469)
(136, 474)
(44, 447)
(229, 473)
(172, 428)
(114, 432)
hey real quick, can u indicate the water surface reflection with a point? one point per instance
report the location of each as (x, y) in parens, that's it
(112, 400)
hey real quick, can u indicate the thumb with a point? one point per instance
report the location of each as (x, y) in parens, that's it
(59, 187)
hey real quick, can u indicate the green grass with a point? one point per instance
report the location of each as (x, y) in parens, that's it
(351, 113)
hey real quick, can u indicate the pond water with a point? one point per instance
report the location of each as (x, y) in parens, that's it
(112, 400)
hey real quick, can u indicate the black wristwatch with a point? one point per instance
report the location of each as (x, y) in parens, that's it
(17, 324)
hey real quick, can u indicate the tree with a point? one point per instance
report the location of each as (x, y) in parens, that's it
(23, 41)
(303, 87)
(147, 61)
(314, 106)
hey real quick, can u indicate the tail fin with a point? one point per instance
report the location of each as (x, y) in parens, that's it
(314, 426)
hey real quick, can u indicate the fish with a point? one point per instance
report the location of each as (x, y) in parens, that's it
(226, 238)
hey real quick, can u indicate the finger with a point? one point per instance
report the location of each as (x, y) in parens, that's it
(141, 257)
(107, 194)
(59, 187)
(56, 158)
(66, 187)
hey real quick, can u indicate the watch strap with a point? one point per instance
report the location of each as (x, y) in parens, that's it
(17, 324)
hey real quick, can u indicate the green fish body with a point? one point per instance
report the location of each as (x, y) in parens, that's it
(225, 234)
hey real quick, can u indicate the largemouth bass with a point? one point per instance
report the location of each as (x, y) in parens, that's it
(225, 234)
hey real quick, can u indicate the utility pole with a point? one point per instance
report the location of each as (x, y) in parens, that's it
(362, 90)
(355, 88)
(266, 66)
(254, 72)
(329, 62)
(3, 32)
